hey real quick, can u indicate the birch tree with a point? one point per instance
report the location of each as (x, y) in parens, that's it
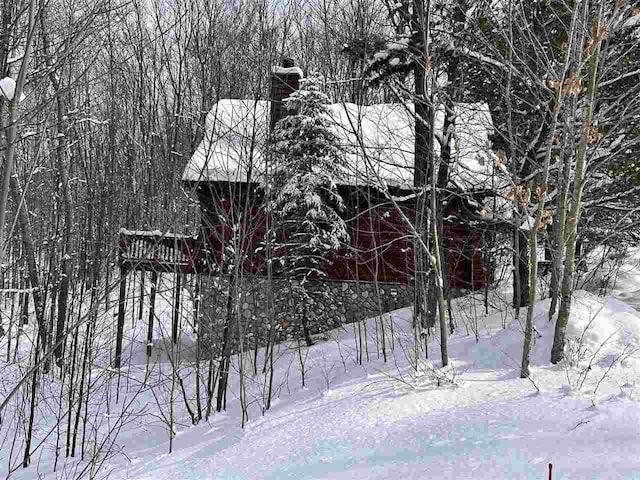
(604, 21)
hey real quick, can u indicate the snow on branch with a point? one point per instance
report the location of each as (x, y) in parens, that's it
(489, 61)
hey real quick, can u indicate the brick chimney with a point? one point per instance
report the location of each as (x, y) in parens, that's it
(285, 79)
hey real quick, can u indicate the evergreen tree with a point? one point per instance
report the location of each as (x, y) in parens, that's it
(306, 159)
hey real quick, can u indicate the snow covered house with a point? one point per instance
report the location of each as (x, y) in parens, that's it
(230, 163)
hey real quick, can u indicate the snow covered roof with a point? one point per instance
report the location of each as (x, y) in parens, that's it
(288, 71)
(379, 140)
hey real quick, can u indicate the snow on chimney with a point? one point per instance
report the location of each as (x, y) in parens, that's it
(284, 80)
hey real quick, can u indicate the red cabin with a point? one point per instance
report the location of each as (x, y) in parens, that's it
(228, 166)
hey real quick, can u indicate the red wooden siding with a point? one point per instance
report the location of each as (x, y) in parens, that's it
(380, 247)
(247, 240)
(463, 249)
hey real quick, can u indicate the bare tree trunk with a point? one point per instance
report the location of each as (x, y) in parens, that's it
(32, 409)
(541, 192)
(589, 136)
(85, 364)
(442, 312)
(518, 284)
(558, 242)
(196, 313)
(423, 164)
(11, 131)
(29, 254)
(225, 356)
(72, 390)
(558, 227)
(271, 314)
(63, 175)
(436, 265)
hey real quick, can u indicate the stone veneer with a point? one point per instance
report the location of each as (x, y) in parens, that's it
(344, 302)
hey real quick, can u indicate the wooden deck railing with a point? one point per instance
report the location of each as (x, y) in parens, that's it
(157, 253)
(161, 252)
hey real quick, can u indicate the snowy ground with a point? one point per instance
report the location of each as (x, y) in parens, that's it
(380, 420)
(384, 421)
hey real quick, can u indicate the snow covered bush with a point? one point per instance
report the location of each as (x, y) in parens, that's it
(604, 334)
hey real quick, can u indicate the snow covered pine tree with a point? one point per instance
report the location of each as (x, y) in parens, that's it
(306, 158)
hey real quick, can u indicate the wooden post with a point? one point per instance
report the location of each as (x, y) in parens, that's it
(196, 300)
(176, 308)
(196, 328)
(122, 300)
(25, 308)
(141, 300)
(152, 305)
(132, 294)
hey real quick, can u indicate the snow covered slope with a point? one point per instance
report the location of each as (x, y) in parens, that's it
(402, 418)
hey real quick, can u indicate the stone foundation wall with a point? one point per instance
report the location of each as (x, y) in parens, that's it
(331, 304)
